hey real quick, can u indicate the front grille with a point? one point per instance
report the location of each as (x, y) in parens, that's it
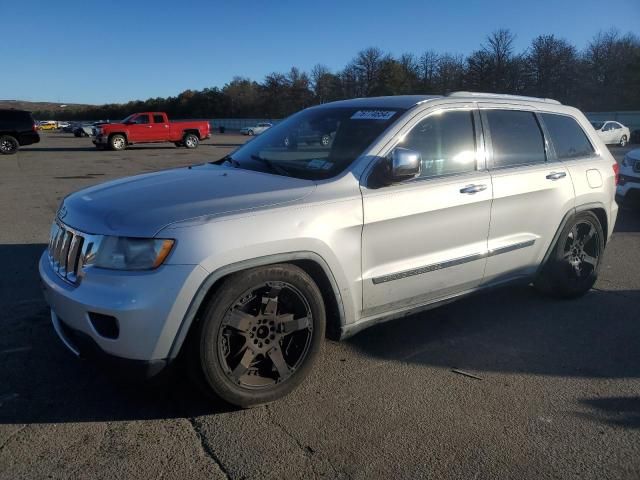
(65, 251)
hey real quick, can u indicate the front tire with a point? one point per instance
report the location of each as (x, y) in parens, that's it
(8, 145)
(259, 335)
(117, 142)
(623, 141)
(572, 267)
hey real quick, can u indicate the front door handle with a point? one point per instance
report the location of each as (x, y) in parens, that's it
(556, 175)
(471, 189)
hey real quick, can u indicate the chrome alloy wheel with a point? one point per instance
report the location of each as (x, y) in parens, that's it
(265, 335)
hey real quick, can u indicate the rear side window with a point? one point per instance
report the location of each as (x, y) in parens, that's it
(568, 138)
(516, 138)
(446, 143)
(158, 119)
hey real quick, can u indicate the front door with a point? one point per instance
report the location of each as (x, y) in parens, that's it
(426, 238)
(140, 129)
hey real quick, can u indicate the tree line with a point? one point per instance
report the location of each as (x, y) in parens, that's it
(605, 75)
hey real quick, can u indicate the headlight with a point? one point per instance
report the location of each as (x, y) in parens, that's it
(122, 253)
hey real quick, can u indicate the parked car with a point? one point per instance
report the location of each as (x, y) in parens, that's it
(151, 127)
(257, 129)
(17, 128)
(85, 129)
(70, 127)
(47, 125)
(63, 125)
(612, 132)
(310, 134)
(628, 191)
(240, 267)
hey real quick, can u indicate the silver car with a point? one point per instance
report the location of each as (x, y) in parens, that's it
(256, 129)
(244, 264)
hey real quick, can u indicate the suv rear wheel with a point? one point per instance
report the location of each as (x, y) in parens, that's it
(572, 267)
(8, 145)
(259, 335)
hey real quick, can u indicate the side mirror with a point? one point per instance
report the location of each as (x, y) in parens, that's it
(405, 164)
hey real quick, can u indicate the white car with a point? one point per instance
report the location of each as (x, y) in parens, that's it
(628, 190)
(256, 130)
(612, 132)
(240, 266)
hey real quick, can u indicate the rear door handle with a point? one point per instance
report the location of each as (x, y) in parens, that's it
(556, 175)
(471, 189)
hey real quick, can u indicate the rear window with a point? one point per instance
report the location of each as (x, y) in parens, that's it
(516, 138)
(16, 115)
(568, 138)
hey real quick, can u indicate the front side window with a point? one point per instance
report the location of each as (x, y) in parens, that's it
(568, 138)
(446, 142)
(141, 119)
(516, 138)
(316, 143)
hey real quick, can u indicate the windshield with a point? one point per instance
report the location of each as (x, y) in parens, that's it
(597, 125)
(126, 119)
(316, 143)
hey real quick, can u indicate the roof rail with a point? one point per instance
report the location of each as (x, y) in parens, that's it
(503, 96)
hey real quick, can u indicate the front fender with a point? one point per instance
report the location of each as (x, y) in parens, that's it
(221, 272)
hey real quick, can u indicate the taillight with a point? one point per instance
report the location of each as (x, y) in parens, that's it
(616, 173)
(35, 127)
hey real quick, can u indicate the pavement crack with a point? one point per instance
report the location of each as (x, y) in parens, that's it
(10, 437)
(305, 449)
(206, 448)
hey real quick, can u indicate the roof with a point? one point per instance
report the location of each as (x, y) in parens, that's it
(396, 101)
(408, 101)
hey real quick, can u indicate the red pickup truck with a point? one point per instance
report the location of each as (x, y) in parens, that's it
(150, 127)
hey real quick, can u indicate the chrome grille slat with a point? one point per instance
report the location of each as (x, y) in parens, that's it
(66, 250)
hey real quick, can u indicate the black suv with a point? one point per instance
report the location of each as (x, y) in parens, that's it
(16, 128)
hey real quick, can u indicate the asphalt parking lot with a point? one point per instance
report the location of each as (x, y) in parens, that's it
(557, 393)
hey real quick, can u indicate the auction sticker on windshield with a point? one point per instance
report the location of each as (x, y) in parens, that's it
(373, 115)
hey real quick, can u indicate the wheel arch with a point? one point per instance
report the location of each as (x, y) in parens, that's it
(195, 131)
(597, 208)
(124, 134)
(312, 263)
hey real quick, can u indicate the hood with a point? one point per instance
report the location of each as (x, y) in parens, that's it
(141, 206)
(634, 154)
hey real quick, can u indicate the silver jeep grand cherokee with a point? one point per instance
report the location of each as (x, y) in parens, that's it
(241, 265)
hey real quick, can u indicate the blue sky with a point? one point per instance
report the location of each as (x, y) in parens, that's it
(96, 52)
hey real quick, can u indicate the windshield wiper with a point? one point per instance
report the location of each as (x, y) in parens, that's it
(274, 167)
(227, 159)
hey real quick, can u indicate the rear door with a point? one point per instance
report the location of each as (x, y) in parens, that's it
(426, 238)
(531, 192)
(160, 128)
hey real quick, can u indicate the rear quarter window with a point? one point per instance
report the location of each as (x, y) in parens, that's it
(567, 136)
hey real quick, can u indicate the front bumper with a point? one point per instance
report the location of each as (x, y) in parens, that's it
(149, 308)
(629, 189)
(100, 139)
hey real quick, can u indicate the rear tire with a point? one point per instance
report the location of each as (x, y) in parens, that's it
(623, 141)
(8, 145)
(572, 267)
(259, 335)
(117, 142)
(191, 141)
(250, 133)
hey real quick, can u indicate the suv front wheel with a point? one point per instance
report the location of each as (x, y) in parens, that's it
(572, 267)
(259, 336)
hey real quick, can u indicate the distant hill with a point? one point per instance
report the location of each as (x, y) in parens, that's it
(42, 106)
